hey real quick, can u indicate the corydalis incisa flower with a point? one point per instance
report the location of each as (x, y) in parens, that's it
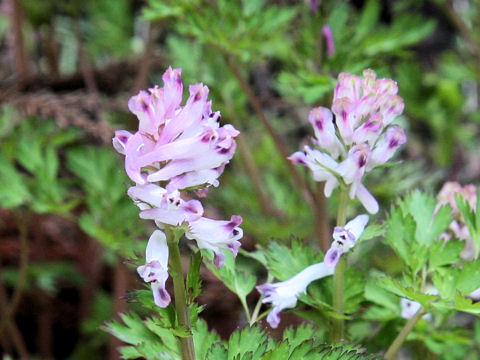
(284, 295)
(360, 138)
(155, 271)
(177, 148)
(345, 238)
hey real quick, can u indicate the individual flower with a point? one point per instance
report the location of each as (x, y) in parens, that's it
(167, 208)
(284, 295)
(215, 235)
(155, 271)
(344, 238)
(359, 138)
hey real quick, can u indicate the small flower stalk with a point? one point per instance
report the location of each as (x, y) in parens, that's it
(355, 136)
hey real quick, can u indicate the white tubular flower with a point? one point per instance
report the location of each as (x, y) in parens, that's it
(217, 234)
(155, 270)
(164, 207)
(344, 238)
(284, 295)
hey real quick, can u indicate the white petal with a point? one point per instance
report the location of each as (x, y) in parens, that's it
(367, 199)
(157, 248)
(357, 225)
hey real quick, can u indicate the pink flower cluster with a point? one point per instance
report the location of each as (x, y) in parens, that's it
(457, 227)
(177, 148)
(359, 138)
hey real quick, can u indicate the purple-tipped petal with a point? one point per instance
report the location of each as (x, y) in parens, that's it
(353, 167)
(155, 271)
(173, 90)
(273, 317)
(175, 215)
(161, 297)
(217, 234)
(369, 130)
(385, 148)
(344, 110)
(322, 121)
(120, 140)
(332, 256)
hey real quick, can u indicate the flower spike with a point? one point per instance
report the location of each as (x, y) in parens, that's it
(360, 137)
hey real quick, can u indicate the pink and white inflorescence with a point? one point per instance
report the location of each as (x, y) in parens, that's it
(177, 148)
(359, 138)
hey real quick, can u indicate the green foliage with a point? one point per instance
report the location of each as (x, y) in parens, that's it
(29, 160)
(362, 41)
(45, 276)
(413, 230)
(253, 344)
(111, 218)
(147, 338)
(249, 30)
(472, 220)
(13, 191)
(240, 282)
(422, 208)
(284, 261)
(110, 28)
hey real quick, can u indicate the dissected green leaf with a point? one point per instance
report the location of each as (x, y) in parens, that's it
(239, 282)
(442, 254)
(284, 262)
(203, 339)
(398, 289)
(13, 190)
(428, 226)
(249, 339)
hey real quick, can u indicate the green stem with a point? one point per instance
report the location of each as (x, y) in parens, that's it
(338, 277)
(402, 335)
(176, 272)
(247, 311)
(256, 311)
